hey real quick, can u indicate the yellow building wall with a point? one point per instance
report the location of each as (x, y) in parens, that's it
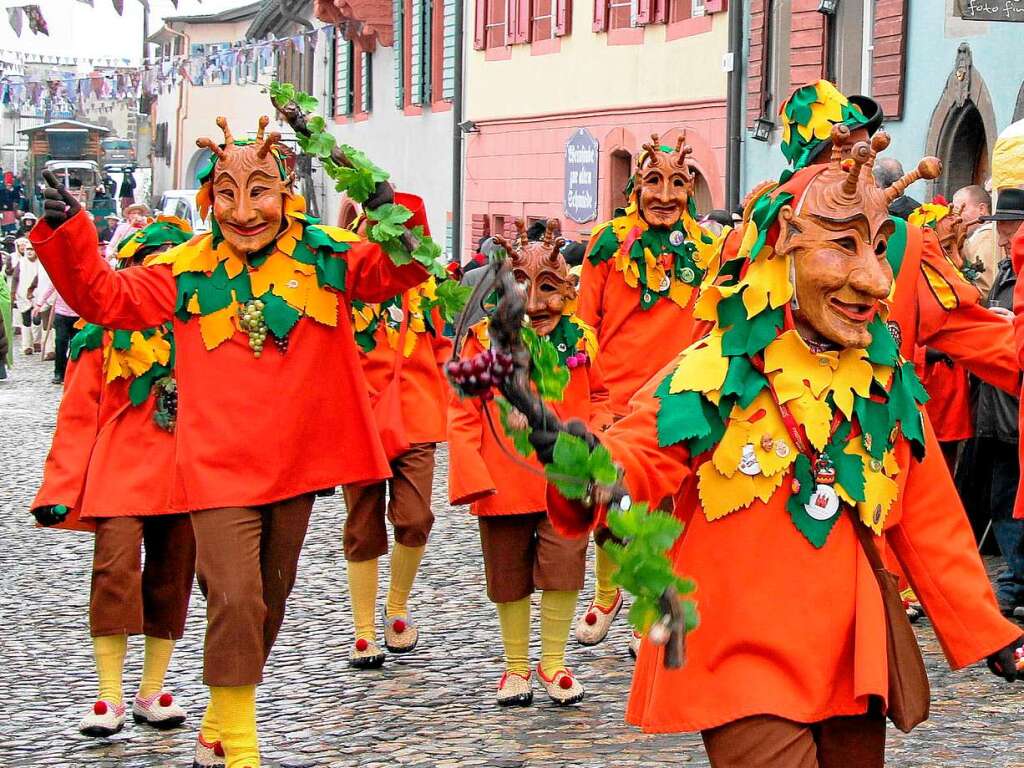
(588, 73)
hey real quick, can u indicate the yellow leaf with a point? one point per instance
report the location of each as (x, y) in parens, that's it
(882, 374)
(703, 366)
(767, 282)
(880, 493)
(750, 233)
(720, 495)
(680, 293)
(297, 290)
(768, 423)
(852, 376)
(796, 368)
(193, 256)
(339, 234)
(217, 327)
(765, 486)
(193, 304)
(729, 450)
(362, 317)
(815, 417)
(890, 466)
(322, 305)
(278, 270)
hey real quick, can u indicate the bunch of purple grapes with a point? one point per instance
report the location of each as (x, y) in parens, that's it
(477, 375)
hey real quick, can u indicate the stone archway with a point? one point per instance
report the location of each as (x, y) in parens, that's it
(196, 163)
(963, 127)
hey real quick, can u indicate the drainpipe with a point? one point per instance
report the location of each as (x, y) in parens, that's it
(734, 107)
(456, 254)
(179, 118)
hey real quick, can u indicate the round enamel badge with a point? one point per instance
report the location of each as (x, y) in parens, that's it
(676, 238)
(824, 503)
(688, 275)
(748, 461)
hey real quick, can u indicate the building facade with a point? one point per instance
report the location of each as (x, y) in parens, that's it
(948, 86)
(560, 99)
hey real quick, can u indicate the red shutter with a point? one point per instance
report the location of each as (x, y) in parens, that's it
(643, 12)
(480, 25)
(715, 6)
(600, 15)
(660, 12)
(520, 30)
(563, 17)
(888, 59)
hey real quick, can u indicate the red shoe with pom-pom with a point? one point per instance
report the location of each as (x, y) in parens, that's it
(104, 719)
(159, 710)
(562, 686)
(208, 755)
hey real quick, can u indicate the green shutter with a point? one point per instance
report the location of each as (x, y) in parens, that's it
(448, 57)
(342, 76)
(366, 100)
(428, 46)
(416, 53)
(398, 13)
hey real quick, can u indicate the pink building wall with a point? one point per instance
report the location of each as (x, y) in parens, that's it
(515, 166)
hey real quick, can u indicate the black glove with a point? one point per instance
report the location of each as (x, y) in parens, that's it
(50, 515)
(383, 194)
(543, 440)
(58, 204)
(1003, 663)
(932, 356)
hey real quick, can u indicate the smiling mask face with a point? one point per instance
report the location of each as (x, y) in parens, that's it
(543, 274)
(663, 183)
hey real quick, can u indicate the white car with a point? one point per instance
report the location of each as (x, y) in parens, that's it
(182, 203)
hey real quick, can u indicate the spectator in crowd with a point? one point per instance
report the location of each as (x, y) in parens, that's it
(716, 220)
(127, 191)
(28, 270)
(996, 422)
(889, 170)
(574, 253)
(10, 204)
(982, 244)
(136, 217)
(6, 328)
(25, 224)
(63, 322)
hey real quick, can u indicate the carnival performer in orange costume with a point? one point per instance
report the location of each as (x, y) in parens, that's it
(402, 349)
(521, 550)
(111, 470)
(639, 278)
(792, 441)
(260, 308)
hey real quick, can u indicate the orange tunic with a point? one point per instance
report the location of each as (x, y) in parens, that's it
(108, 458)
(423, 386)
(1017, 254)
(481, 470)
(949, 406)
(787, 629)
(634, 343)
(250, 431)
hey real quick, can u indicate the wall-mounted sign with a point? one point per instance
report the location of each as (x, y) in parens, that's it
(991, 10)
(581, 156)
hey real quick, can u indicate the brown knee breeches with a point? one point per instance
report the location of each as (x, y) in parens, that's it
(129, 599)
(246, 559)
(366, 534)
(524, 552)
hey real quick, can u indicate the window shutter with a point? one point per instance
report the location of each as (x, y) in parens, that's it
(342, 76)
(398, 14)
(448, 55)
(659, 11)
(715, 6)
(888, 63)
(366, 97)
(643, 12)
(523, 22)
(480, 25)
(427, 54)
(416, 53)
(600, 15)
(563, 17)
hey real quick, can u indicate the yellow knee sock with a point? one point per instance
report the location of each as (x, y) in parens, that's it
(556, 610)
(605, 590)
(405, 561)
(209, 729)
(109, 651)
(515, 634)
(154, 666)
(362, 588)
(236, 713)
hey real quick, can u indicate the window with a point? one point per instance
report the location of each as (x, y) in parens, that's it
(497, 23)
(622, 14)
(343, 77)
(448, 50)
(542, 24)
(680, 10)
(365, 82)
(421, 18)
(846, 31)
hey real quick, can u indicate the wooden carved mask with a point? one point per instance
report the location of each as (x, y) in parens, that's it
(664, 183)
(542, 271)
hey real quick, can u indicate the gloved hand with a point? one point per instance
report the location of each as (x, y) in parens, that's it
(1003, 663)
(383, 194)
(50, 515)
(59, 205)
(543, 440)
(932, 356)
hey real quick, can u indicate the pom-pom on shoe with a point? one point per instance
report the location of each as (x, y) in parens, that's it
(159, 710)
(104, 719)
(592, 627)
(366, 654)
(400, 634)
(208, 755)
(514, 690)
(562, 687)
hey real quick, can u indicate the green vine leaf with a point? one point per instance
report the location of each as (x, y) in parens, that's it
(546, 371)
(569, 471)
(451, 299)
(520, 437)
(388, 222)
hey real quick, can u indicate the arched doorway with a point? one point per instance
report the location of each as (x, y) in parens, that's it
(195, 165)
(347, 214)
(701, 191)
(621, 170)
(963, 149)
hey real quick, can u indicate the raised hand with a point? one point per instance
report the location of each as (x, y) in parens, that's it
(59, 205)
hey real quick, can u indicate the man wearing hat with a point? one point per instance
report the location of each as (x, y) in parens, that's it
(27, 221)
(136, 217)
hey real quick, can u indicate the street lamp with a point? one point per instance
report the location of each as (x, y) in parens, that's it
(762, 129)
(828, 7)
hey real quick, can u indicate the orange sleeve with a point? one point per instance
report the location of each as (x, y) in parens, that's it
(468, 476)
(952, 320)
(601, 416)
(67, 463)
(935, 545)
(592, 282)
(371, 275)
(1017, 253)
(131, 299)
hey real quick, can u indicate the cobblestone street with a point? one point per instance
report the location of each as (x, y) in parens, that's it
(432, 708)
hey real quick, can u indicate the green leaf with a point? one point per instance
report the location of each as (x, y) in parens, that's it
(282, 93)
(546, 372)
(278, 314)
(905, 396)
(520, 437)
(89, 337)
(882, 350)
(569, 470)
(849, 467)
(357, 184)
(316, 124)
(317, 144)
(874, 422)
(681, 415)
(388, 221)
(602, 468)
(743, 381)
(361, 162)
(122, 340)
(815, 531)
(452, 298)
(306, 102)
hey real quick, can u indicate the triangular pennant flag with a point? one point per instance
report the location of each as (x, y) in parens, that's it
(119, 7)
(15, 16)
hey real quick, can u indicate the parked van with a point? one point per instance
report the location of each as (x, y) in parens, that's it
(117, 151)
(182, 203)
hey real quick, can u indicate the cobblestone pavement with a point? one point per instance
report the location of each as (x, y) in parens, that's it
(433, 708)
